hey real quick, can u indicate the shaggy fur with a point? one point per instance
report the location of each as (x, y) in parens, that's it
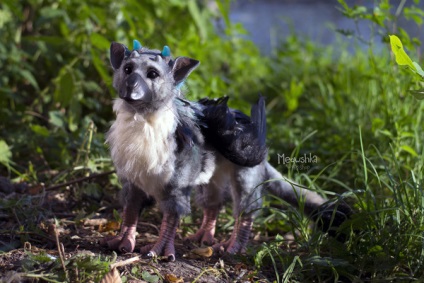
(155, 143)
(144, 163)
(161, 153)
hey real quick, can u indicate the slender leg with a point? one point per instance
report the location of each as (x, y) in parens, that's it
(247, 199)
(239, 238)
(165, 243)
(206, 232)
(134, 199)
(125, 241)
(211, 198)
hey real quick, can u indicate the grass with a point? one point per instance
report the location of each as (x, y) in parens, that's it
(367, 135)
(351, 110)
(355, 115)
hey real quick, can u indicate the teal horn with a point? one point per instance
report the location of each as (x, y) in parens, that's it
(127, 51)
(166, 51)
(136, 45)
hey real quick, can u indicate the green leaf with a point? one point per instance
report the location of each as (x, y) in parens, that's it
(40, 130)
(56, 119)
(224, 8)
(30, 78)
(48, 13)
(5, 153)
(418, 94)
(375, 249)
(149, 278)
(418, 68)
(65, 87)
(100, 66)
(198, 19)
(99, 41)
(409, 149)
(5, 17)
(401, 57)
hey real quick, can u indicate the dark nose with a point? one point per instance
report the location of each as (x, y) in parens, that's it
(133, 82)
(135, 89)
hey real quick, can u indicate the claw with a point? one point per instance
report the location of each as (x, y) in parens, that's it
(113, 242)
(165, 244)
(152, 254)
(171, 258)
(124, 242)
(127, 245)
(206, 232)
(239, 238)
(202, 236)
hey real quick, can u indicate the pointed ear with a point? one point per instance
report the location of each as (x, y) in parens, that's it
(182, 67)
(117, 54)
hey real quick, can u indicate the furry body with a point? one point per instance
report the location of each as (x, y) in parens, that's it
(163, 146)
(155, 143)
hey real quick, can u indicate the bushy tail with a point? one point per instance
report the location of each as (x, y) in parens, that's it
(291, 192)
(328, 215)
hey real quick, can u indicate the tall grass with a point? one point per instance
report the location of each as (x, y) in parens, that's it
(367, 135)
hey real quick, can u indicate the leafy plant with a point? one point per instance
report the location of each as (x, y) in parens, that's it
(402, 59)
(68, 95)
(368, 140)
(79, 268)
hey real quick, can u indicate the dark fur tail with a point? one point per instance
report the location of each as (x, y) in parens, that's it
(257, 114)
(238, 137)
(328, 215)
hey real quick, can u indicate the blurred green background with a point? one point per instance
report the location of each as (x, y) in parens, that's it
(346, 102)
(55, 80)
(56, 93)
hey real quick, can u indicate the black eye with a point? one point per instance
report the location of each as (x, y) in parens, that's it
(152, 74)
(128, 69)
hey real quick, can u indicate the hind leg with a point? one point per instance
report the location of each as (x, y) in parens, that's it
(247, 199)
(206, 232)
(239, 238)
(211, 198)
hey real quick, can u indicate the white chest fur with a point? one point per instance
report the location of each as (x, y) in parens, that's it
(143, 148)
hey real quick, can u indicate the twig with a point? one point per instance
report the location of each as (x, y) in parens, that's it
(79, 180)
(38, 276)
(205, 271)
(124, 262)
(61, 251)
(149, 225)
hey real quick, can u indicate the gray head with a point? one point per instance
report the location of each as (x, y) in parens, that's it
(148, 79)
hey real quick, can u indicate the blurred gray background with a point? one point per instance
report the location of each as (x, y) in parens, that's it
(270, 21)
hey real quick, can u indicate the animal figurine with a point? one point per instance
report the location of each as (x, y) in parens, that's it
(163, 146)
(155, 142)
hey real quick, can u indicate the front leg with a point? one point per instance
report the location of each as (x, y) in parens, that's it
(165, 243)
(175, 202)
(134, 199)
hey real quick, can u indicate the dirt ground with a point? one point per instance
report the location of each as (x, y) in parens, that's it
(31, 217)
